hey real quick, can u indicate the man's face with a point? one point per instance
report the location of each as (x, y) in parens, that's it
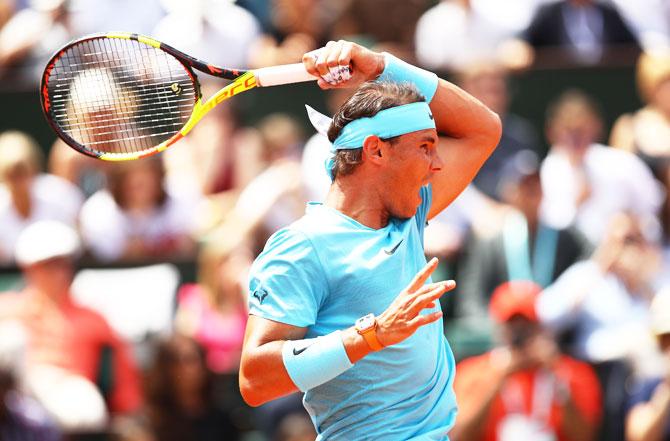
(575, 137)
(574, 131)
(53, 275)
(413, 160)
(518, 331)
(525, 195)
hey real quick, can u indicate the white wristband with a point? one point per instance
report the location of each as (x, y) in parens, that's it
(312, 362)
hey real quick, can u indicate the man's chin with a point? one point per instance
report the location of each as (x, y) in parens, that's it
(406, 214)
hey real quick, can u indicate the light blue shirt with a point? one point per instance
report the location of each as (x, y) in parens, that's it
(325, 271)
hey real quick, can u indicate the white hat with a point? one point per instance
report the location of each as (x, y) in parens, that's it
(660, 312)
(45, 240)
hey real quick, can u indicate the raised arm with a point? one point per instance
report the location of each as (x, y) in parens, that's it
(470, 130)
(471, 133)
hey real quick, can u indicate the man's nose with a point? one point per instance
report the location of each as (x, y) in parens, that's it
(437, 163)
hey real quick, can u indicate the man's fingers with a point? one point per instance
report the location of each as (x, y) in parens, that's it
(423, 275)
(422, 301)
(309, 61)
(446, 284)
(421, 320)
(333, 57)
(330, 64)
(321, 63)
(345, 53)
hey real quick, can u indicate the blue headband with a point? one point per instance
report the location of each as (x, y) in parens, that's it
(385, 124)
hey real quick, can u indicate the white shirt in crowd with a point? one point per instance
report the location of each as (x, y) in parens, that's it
(515, 19)
(649, 19)
(52, 198)
(451, 37)
(618, 181)
(610, 323)
(107, 229)
(219, 32)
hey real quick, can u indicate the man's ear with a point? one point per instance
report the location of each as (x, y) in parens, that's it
(372, 149)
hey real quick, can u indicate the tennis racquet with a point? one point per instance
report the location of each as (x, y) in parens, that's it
(123, 96)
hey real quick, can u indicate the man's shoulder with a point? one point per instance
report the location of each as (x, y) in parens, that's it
(291, 242)
(316, 222)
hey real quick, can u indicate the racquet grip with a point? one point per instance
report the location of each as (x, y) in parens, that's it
(283, 74)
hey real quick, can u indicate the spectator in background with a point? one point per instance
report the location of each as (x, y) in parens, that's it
(214, 311)
(579, 31)
(26, 195)
(514, 19)
(664, 176)
(91, 16)
(7, 9)
(525, 249)
(392, 31)
(649, 19)
(649, 416)
(181, 404)
(646, 132)
(605, 300)
(298, 26)
(214, 30)
(215, 157)
(488, 82)
(524, 389)
(588, 183)
(453, 35)
(21, 418)
(30, 37)
(83, 171)
(274, 198)
(71, 351)
(136, 218)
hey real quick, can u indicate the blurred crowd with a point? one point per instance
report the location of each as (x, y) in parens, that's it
(561, 318)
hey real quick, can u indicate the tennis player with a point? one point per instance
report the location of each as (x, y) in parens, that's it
(341, 302)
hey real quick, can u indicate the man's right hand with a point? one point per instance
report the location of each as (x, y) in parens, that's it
(364, 64)
(403, 317)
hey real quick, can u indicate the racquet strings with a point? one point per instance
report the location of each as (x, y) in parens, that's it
(114, 95)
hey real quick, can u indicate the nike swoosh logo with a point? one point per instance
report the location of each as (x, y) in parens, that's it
(392, 250)
(299, 351)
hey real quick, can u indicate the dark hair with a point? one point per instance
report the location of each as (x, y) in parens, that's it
(117, 174)
(570, 100)
(370, 99)
(163, 406)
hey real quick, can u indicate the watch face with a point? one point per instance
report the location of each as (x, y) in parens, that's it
(366, 322)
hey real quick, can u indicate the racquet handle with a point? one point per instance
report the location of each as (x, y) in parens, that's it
(283, 74)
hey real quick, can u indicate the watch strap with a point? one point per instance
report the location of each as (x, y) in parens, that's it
(370, 336)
